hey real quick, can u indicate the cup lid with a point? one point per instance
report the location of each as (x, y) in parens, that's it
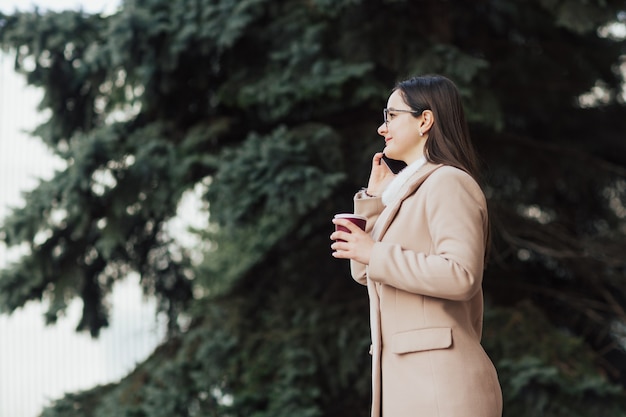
(350, 216)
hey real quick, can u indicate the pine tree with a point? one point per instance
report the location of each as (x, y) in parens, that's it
(272, 107)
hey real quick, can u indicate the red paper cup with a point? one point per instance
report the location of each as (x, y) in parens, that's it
(354, 218)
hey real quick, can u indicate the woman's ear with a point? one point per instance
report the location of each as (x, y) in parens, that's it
(426, 121)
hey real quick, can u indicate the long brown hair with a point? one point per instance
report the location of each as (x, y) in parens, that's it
(449, 140)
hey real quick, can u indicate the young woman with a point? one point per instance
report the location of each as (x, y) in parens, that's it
(422, 258)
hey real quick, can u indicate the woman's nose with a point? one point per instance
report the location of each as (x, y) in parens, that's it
(382, 129)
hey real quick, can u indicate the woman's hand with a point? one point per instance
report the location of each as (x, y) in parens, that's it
(356, 244)
(380, 176)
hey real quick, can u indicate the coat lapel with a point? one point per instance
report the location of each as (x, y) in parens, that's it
(389, 213)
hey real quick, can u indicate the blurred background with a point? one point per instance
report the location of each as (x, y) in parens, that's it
(169, 169)
(39, 363)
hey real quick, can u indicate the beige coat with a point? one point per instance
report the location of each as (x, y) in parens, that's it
(424, 281)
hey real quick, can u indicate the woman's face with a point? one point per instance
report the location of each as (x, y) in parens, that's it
(402, 131)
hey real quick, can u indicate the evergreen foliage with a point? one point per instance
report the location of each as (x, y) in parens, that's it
(272, 107)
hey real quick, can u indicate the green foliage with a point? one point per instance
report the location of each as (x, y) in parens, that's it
(94, 222)
(273, 106)
(233, 360)
(264, 190)
(547, 371)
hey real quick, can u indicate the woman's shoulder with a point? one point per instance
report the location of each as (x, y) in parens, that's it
(451, 173)
(448, 178)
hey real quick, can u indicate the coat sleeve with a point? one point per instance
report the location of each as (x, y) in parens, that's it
(370, 207)
(455, 211)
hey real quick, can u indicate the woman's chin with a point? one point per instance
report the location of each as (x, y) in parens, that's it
(389, 154)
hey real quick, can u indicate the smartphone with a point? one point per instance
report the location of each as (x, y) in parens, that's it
(394, 165)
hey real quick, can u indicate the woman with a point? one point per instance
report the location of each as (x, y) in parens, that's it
(422, 258)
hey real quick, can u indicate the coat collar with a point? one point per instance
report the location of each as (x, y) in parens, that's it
(407, 190)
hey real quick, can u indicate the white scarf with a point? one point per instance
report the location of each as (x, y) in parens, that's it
(392, 192)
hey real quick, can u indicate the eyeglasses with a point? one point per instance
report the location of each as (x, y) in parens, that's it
(387, 111)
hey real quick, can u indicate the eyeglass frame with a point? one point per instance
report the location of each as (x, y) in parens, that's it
(386, 111)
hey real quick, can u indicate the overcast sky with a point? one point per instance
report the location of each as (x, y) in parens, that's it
(38, 363)
(91, 6)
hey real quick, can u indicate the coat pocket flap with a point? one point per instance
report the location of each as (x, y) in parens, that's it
(421, 339)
